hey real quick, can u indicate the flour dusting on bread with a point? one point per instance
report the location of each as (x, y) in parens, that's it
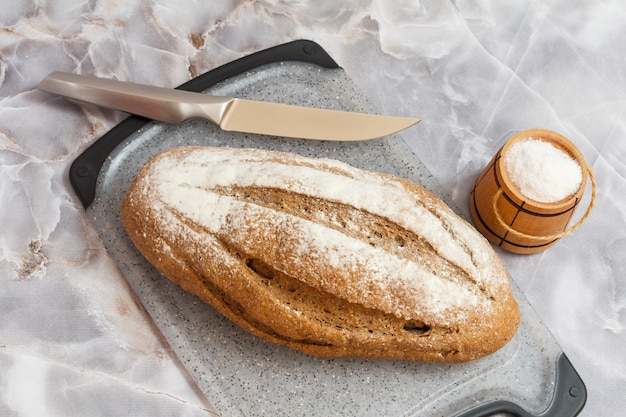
(383, 249)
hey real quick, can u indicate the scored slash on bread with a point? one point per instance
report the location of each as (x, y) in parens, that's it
(320, 256)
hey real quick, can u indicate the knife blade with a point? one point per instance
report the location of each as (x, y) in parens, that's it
(229, 113)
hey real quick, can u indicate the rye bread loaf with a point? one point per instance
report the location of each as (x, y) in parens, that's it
(320, 256)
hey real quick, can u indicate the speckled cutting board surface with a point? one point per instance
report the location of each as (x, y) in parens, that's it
(243, 375)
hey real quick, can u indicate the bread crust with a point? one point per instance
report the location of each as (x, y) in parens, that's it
(322, 257)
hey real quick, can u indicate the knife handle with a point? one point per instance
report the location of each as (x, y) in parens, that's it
(162, 104)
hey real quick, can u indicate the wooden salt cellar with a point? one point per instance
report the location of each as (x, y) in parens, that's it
(514, 221)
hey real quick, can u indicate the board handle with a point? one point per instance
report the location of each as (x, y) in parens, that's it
(83, 172)
(570, 396)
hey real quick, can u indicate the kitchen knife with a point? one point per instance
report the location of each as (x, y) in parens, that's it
(231, 114)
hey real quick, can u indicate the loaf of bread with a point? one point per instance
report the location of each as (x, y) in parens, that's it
(322, 257)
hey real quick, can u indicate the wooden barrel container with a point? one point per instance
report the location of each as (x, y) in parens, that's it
(512, 220)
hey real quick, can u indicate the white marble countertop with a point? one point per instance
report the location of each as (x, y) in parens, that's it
(73, 340)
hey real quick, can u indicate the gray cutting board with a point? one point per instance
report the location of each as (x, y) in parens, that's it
(242, 375)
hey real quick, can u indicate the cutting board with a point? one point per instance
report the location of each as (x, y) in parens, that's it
(242, 375)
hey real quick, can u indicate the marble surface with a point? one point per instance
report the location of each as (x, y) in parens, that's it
(73, 339)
